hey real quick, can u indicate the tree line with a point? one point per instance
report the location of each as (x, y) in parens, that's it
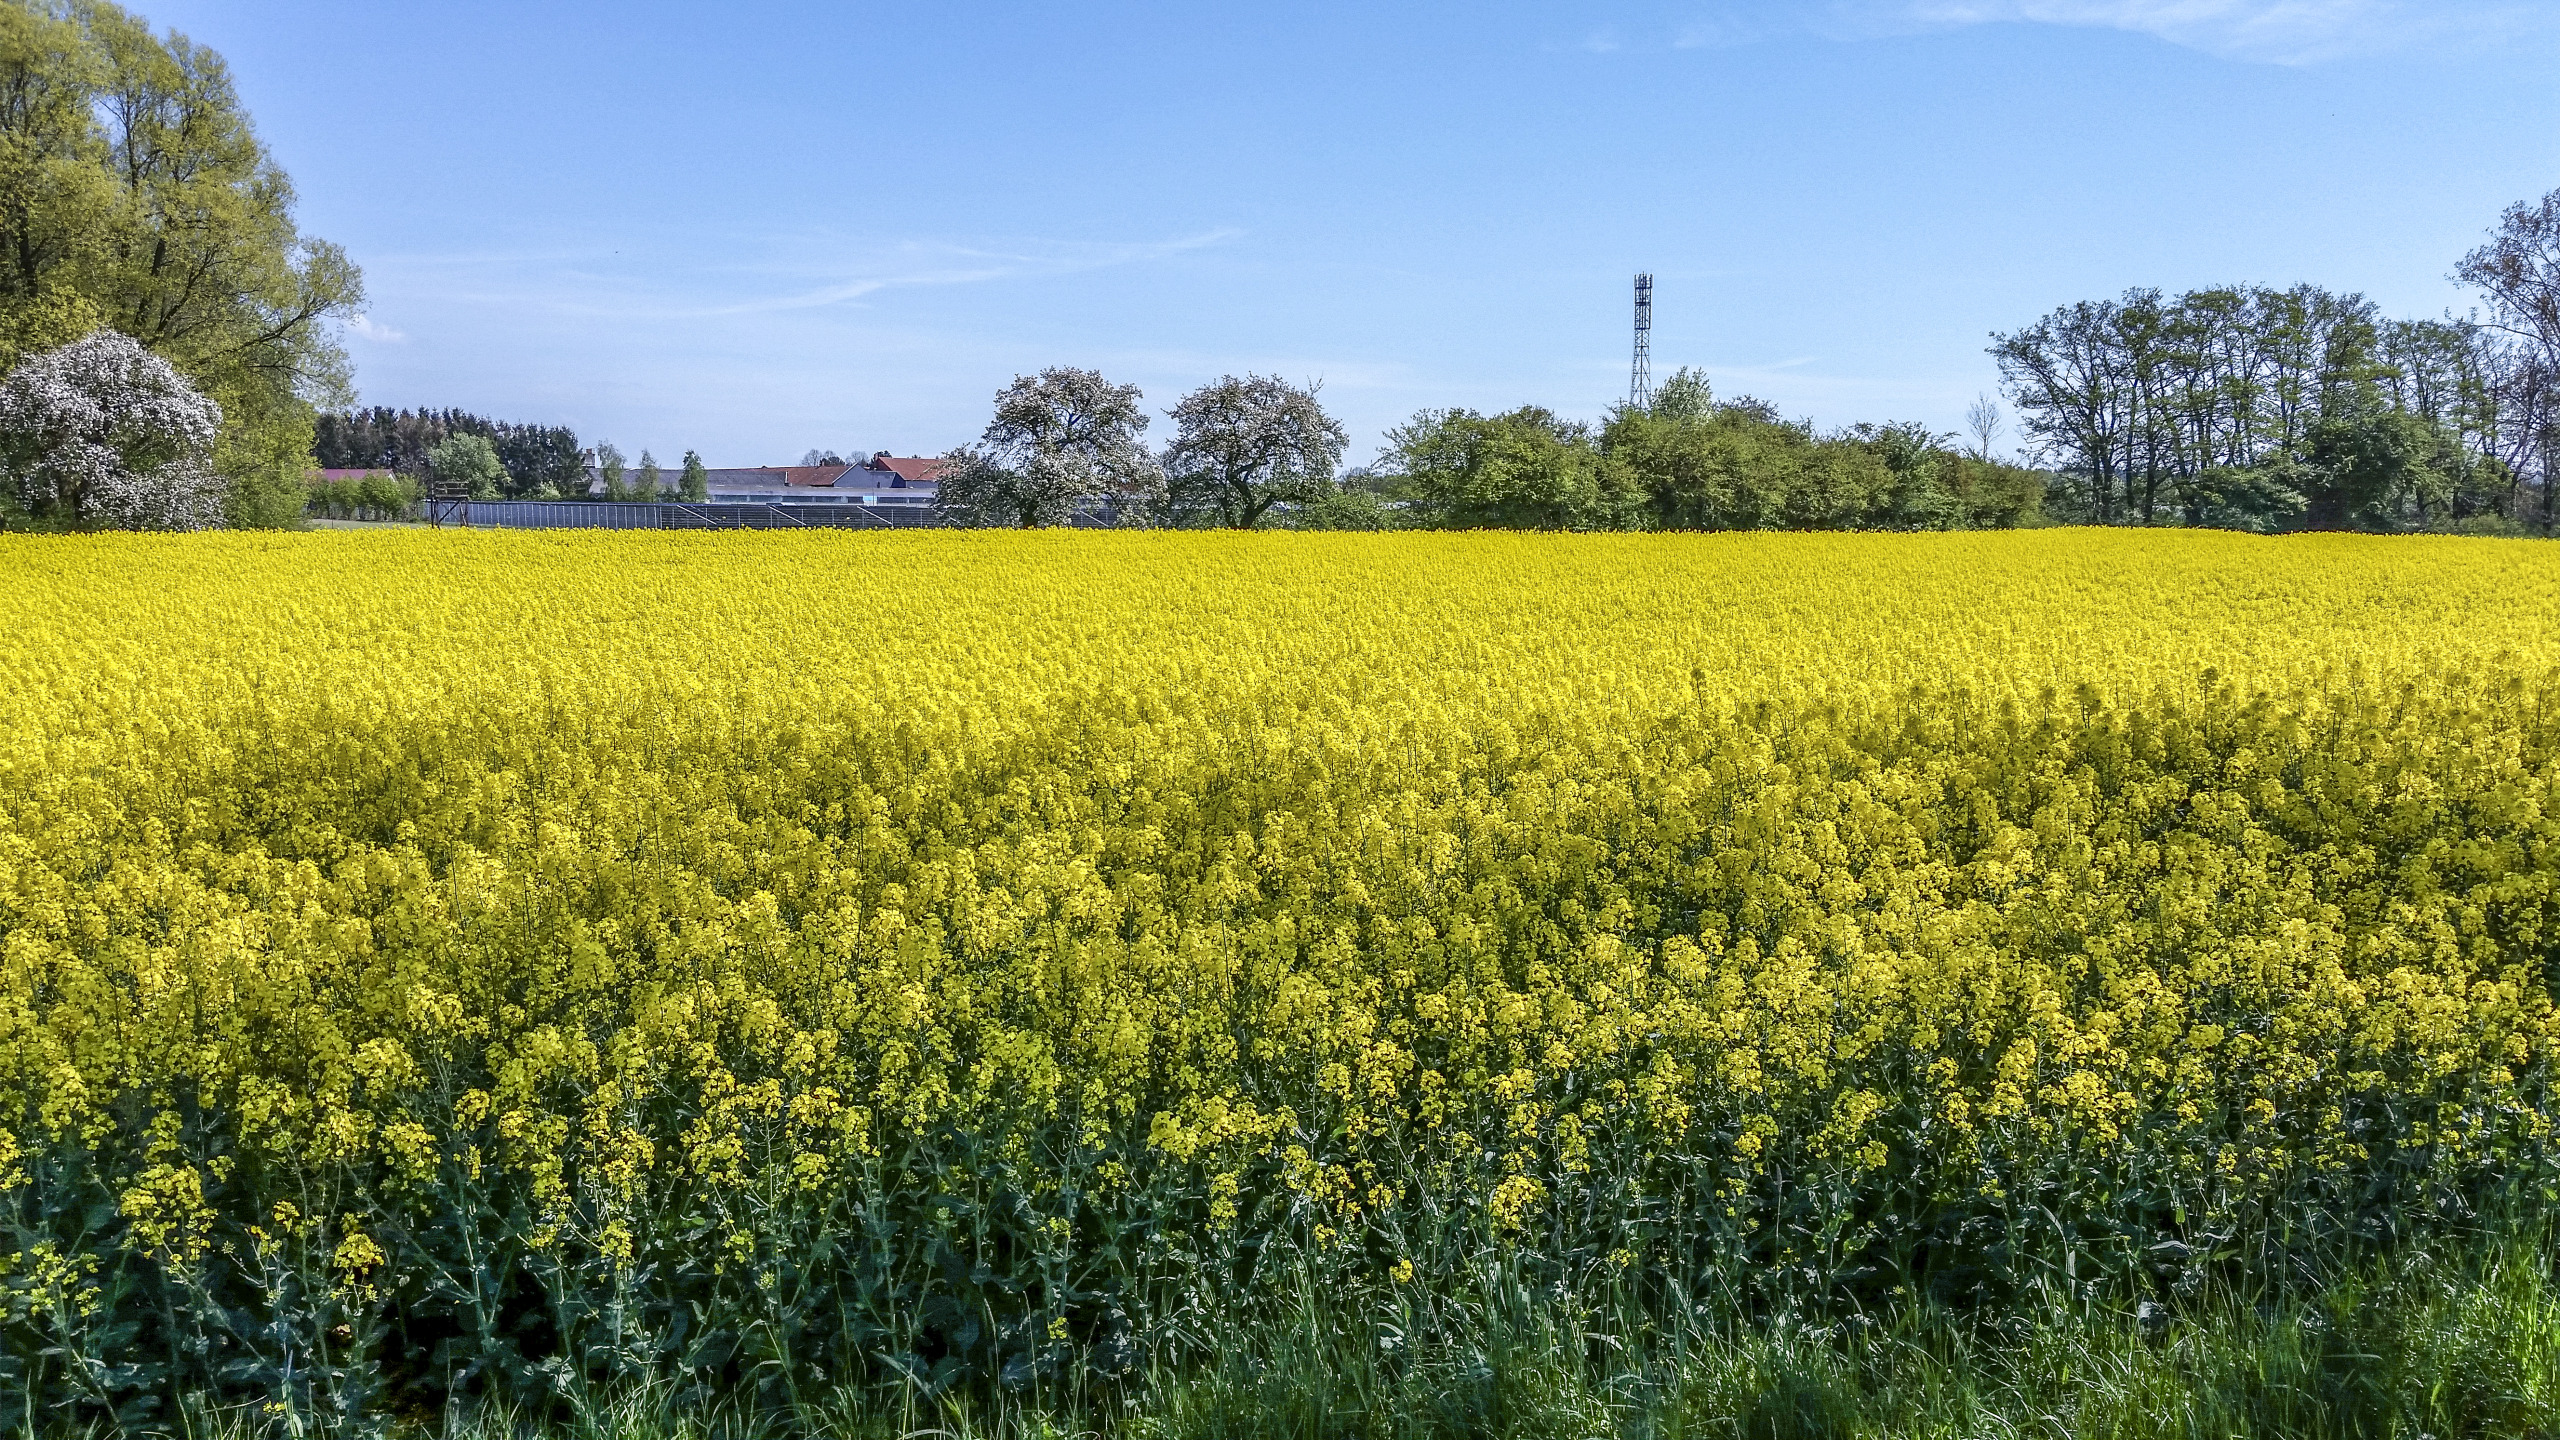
(534, 462)
(2263, 409)
(2258, 408)
(1259, 449)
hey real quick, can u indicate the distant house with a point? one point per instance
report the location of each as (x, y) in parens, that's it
(882, 480)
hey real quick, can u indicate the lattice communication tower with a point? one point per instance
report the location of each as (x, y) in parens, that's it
(1640, 387)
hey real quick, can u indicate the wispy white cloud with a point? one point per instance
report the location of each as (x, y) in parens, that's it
(2291, 32)
(970, 265)
(367, 328)
(795, 273)
(2286, 32)
(745, 345)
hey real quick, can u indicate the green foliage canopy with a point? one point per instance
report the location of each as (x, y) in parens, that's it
(1528, 469)
(1682, 462)
(471, 461)
(609, 470)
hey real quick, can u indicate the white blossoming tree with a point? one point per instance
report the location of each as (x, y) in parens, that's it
(1246, 445)
(102, 430)
(1060, 440)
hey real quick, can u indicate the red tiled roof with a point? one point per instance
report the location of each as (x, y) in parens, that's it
(813, 474)
(913, 469)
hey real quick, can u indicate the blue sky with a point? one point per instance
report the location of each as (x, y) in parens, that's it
(753, 228)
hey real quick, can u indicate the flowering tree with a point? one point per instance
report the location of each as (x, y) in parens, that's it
(103, 430)
(1060, 439)
(1246, 445)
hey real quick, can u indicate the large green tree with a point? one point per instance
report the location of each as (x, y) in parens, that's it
(135, 196)
(1528, 469)
(470, 462)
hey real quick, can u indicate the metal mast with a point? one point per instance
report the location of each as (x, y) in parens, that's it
(1640, 388)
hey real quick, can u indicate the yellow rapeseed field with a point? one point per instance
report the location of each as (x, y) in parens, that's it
(622, 955)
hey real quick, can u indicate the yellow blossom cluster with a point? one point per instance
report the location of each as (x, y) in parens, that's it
(981, 948)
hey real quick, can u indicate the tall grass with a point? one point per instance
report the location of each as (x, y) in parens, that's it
(2423, 1343)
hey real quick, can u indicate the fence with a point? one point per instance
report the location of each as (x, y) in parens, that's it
(672, 515)
(652, 515)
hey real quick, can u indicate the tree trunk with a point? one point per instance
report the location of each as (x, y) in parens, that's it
(2550, 444)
